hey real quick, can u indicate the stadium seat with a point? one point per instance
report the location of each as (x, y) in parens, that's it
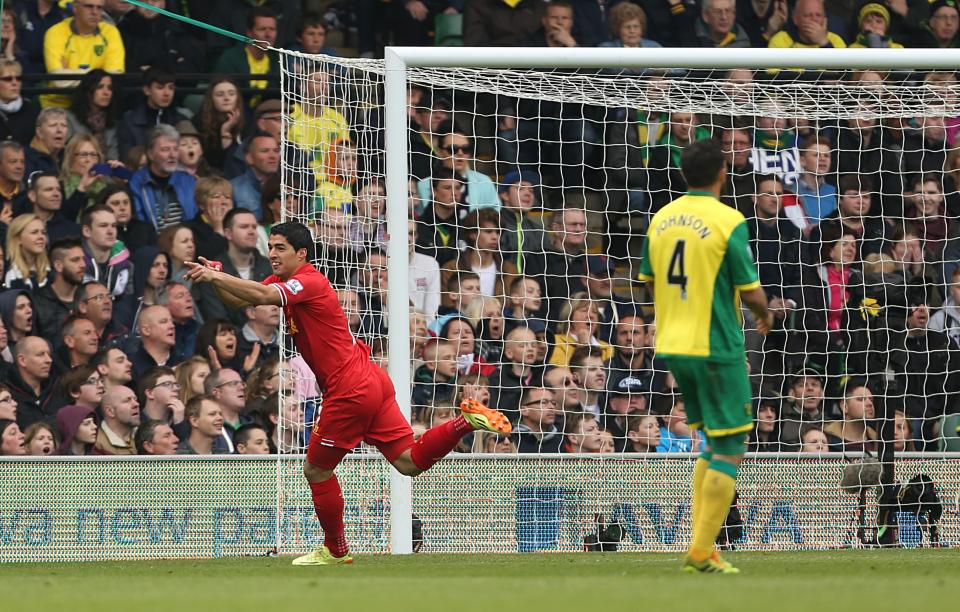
(448, 31)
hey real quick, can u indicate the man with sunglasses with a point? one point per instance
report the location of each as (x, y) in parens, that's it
(455, 151)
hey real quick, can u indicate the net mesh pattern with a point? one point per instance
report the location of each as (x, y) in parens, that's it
(529, 197)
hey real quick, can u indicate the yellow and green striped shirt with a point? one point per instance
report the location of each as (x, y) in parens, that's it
(697, 255)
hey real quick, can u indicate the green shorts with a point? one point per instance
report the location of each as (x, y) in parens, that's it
(716, 395)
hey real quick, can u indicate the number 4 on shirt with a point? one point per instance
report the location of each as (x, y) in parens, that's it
(676, 273)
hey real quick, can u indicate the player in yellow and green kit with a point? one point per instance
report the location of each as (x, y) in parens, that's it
(698, 265)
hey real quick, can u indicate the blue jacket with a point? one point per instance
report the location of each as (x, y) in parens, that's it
(246, 192)
(145, 203)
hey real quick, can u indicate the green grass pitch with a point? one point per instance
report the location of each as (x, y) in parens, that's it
(811, 581)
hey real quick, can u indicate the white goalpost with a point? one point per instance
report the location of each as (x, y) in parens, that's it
(806, 96)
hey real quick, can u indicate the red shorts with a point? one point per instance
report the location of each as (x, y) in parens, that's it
(366, 411)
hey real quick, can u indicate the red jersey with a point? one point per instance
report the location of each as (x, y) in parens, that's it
(319, 328)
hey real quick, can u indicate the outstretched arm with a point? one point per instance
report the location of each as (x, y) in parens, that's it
(229, 299)
(235, 292)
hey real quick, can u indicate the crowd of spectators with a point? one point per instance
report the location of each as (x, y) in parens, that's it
(521, 287)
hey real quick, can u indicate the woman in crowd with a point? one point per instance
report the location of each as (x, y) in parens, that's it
(131, 231)
(178, 243)
(486, 316)
(12, 440)
(16, 311)
(368, 224)
(94, 111)
(822, 315)
(40, 439)
(77, 428)
(579, 325)
(491, 443)
(217, 340)
(628, 24)
(9, 48)
(765, 436)
(461, 333)
(221, 120)
(264, 380)
(82, 153)
(191, 374)
(214, 196)
(28, 265)
(151, 271)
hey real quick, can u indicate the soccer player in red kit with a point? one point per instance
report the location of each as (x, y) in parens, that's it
(359, 401)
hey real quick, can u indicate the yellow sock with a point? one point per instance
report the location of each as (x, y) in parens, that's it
(716, 495)
(699, 471)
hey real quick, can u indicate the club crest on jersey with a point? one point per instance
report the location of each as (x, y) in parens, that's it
(294, 286)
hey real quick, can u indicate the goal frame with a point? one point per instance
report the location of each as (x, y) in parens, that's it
(399, 59)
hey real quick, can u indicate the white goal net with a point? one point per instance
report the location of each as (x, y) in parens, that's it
(529, 193)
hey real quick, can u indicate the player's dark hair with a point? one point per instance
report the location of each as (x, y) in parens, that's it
(296, 234)
(702, 162)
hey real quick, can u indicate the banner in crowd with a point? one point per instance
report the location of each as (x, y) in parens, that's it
(132, 509)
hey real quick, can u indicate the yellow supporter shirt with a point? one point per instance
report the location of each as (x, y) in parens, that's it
(331, 195)
(66, 51)
(697, 256)
(258, 66)
(315, 134)
(784, 40)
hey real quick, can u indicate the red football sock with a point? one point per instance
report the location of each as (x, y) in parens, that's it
(328, 504)
(438, 441)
